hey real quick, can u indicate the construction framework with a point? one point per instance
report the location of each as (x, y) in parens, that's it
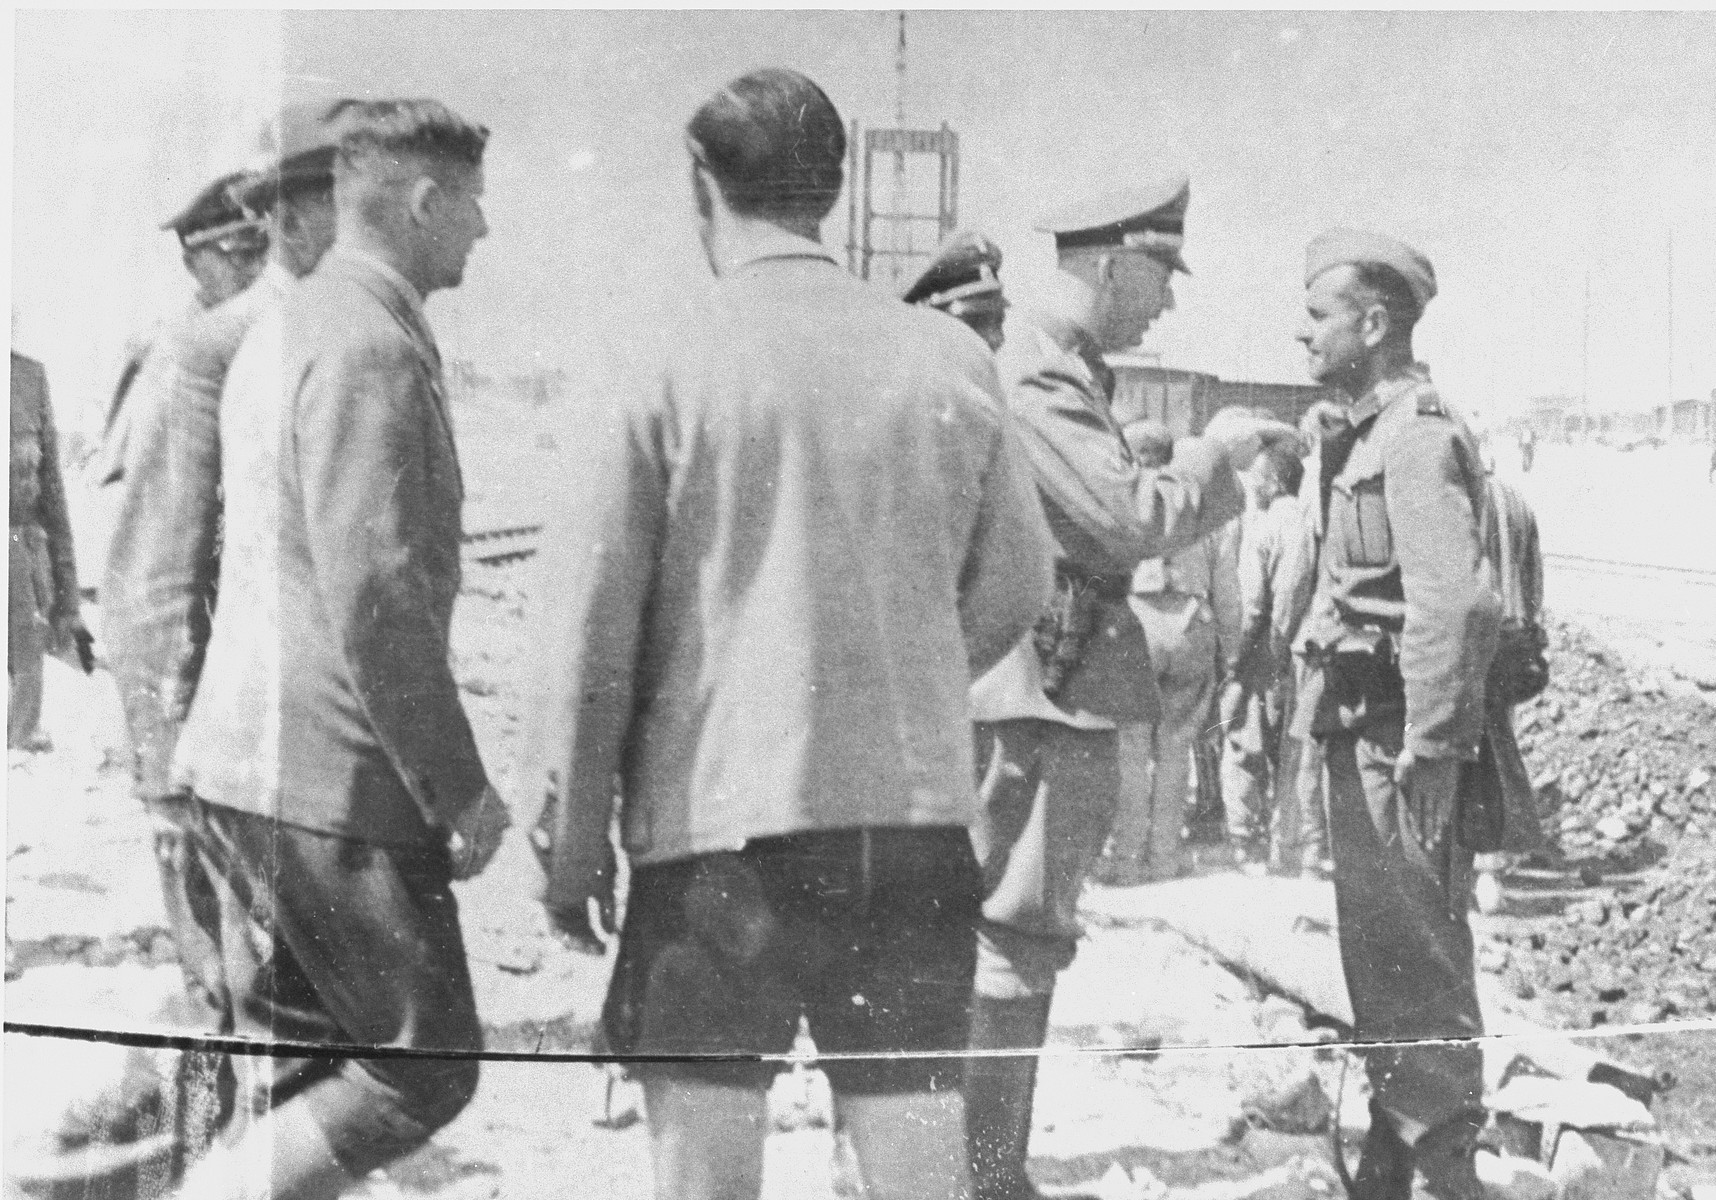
(898, 244)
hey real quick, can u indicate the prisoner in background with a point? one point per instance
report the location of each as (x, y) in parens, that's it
(963, 280)
(1401, 634)
(1046, 715)
(1188, 604)
(1511, 542)
(42, 602)
(1263, 822)
(223, 249)
(786, 549)
(327, 776)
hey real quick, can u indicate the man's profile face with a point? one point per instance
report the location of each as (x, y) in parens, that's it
(1139, 291)
(454, 223)
(221, 274)
(1332, 330)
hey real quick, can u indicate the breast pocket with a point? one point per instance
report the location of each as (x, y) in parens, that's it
(1362, 515)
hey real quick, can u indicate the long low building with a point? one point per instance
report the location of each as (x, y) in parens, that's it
(1184, 401)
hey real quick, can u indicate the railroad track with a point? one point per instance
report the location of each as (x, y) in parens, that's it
(1696, 576)
(499, 545)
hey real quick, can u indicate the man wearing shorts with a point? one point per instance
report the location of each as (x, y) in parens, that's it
(787, 549)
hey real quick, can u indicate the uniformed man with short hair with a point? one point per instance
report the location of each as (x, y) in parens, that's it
(964, 281)
(1400, 636)
(1047, 714)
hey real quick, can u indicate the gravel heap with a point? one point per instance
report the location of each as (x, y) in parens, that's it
(1616, 760)
(1648, 954)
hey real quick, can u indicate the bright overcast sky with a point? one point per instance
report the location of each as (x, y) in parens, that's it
(1524, 153)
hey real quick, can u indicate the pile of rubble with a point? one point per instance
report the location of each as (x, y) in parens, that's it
(1617, 761)
(1646, 954)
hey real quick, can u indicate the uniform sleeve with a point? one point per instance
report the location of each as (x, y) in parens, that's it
(1448, 634)
(54, 514)
(599, 566)
(1009, 567)
(363, 422)
(1108, 514)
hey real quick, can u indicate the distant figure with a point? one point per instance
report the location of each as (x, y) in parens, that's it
(1401, 635)
(42, 603)
(964, 281)
(1511, 543)
(1263, 821)
(1188, 604)
(327, 776)
(782, 557)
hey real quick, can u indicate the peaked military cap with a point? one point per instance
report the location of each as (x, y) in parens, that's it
(213, 216)
(965, 268)
(296, 148)
(1150, 217)
(1342, 246)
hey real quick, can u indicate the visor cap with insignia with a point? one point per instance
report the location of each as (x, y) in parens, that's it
(1339, 247)
(1150, 217)
(965, 270)
(214, 218)
(297, 149)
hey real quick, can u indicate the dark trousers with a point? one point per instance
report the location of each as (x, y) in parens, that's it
(1405, 942)
(304, 937)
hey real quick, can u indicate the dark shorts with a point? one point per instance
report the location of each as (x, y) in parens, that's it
(869, 934)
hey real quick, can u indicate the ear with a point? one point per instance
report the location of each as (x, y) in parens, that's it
(1374, 325)
(424, 193)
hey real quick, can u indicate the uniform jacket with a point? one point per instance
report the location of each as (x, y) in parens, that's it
(1107, 514)
(327, 699)
(163, 560)
(40, 542)
(788, 545)
(1404, 620)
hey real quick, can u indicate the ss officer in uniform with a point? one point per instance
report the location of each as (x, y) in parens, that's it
(1400, 636)
(1047, 753)
(964, 281)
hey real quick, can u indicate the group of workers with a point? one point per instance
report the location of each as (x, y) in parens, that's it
(871, 646)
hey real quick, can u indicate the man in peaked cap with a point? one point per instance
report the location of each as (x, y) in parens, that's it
(964, 281)
(1047, 714)
(1399, 639)
(163, 562)
(223, 248)
(223, 245)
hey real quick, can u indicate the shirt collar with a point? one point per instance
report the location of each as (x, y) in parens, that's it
(413, 298)
(777, 243)
(1386, 391)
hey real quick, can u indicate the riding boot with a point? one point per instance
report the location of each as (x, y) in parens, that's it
(1444, 1158)
(1385, 1166)
(998, 1094)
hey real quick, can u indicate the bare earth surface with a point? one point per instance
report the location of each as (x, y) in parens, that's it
(1144, 1081)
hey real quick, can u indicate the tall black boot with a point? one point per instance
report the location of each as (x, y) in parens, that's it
(1444, 1158)
(1385, 1165)
(998, 1093)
